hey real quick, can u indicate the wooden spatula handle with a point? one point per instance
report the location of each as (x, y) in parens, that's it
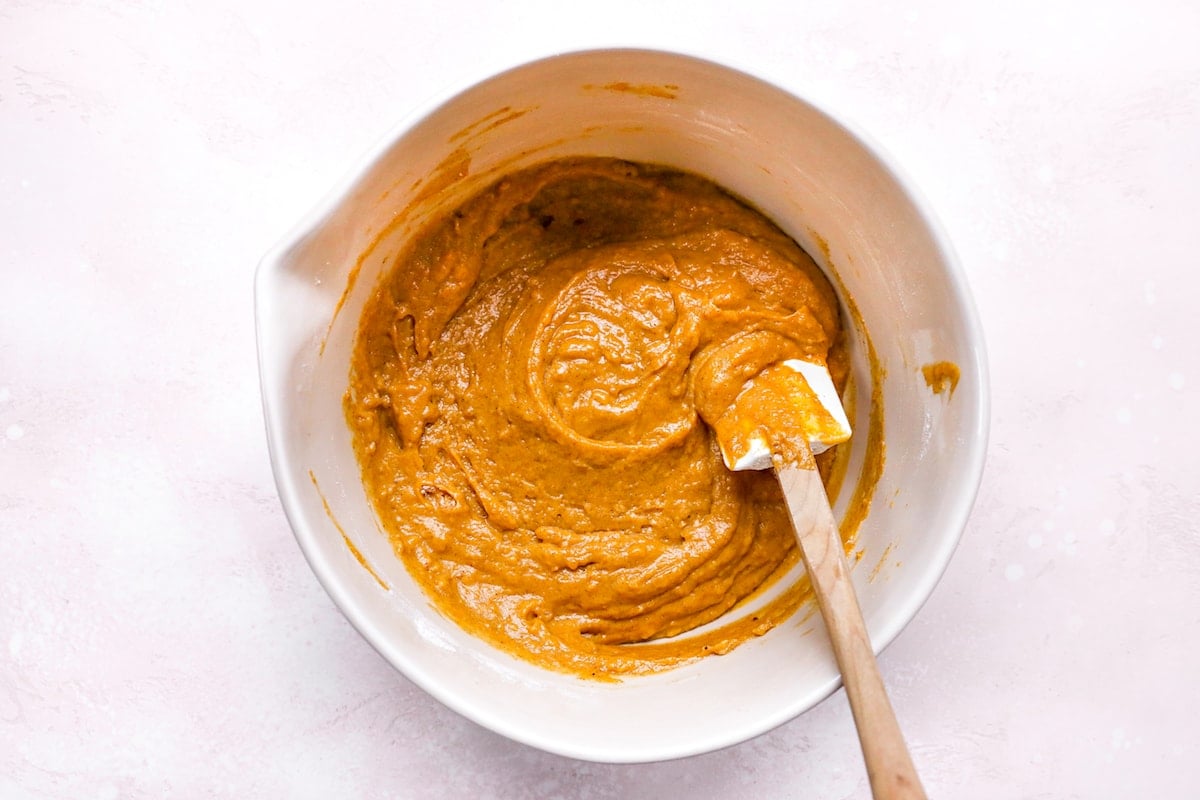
(889, 765)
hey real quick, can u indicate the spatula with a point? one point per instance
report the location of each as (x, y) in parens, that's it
(778, 421)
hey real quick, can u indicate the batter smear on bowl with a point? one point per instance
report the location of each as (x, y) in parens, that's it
(528, 399)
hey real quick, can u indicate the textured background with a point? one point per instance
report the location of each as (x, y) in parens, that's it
(160, 633)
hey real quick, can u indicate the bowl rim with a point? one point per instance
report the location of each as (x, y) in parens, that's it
(280, 451)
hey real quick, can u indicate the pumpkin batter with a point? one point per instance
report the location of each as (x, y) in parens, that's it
(531, 396)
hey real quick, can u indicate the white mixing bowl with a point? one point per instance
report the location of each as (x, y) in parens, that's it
(823, 184)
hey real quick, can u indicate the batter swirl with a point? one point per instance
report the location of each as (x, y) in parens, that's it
(530, 397)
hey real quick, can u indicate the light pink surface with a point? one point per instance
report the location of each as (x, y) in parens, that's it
(160, 634)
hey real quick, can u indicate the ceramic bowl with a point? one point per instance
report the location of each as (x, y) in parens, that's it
(824, 184)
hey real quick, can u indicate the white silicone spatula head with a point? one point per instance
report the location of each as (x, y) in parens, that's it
(813, 402)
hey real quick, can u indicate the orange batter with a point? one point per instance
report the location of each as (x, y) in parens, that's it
(530, 398)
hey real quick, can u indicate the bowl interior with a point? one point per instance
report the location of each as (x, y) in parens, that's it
(818, 181)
